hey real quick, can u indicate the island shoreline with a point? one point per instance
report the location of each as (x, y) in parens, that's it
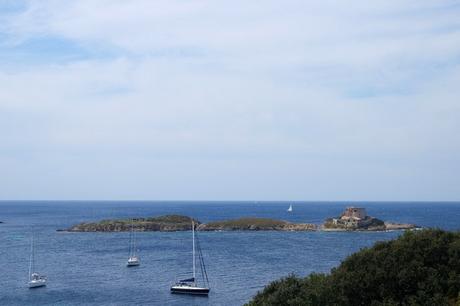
(179, 223)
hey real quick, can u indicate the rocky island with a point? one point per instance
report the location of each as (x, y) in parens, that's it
(169, 223)
(356, 219)
(172, 223)
(256, 224)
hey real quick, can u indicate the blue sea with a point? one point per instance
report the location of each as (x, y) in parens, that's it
(90, 268)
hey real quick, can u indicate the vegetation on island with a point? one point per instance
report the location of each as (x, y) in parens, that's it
(255, 224)
(418, 268)
(166, 223)
(183, 223)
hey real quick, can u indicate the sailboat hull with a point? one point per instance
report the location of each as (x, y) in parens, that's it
(189, 290)
(189, 285)
(132, 264)
(133, 261)
(37, 283)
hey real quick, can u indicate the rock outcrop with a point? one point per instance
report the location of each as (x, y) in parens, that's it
(370, 224)
(399, 226)
(356, 219)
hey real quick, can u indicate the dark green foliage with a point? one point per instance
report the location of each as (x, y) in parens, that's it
(169, 219)
(419, 268)
(246, 223)
(256, 224)
(161, 223)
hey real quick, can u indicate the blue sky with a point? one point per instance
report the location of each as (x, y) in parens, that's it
(212, 100)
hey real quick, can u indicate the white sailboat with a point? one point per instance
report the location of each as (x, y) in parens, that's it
(190, 285)
(35, 279)
(133, 259)
(290, 208)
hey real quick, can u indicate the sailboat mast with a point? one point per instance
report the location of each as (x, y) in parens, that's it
(134, 241)
(193, 253)
(131, 251)
(31, 259)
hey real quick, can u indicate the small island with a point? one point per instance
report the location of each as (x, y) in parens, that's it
(168, 223)
(256, 224)
(174, 223)
(356, 219)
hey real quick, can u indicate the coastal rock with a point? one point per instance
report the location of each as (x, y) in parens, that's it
(399, 226)
(356, 219)
(255, 224)
(371, 224)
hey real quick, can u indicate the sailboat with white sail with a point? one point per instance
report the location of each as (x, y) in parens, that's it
(190, 285)
(35, 279)
(133, 259)
(290, 208)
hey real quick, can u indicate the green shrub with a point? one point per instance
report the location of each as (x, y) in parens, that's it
(418, 268)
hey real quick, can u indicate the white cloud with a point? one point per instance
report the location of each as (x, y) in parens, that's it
(295, 93)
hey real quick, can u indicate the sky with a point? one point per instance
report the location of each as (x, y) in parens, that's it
(230, 100)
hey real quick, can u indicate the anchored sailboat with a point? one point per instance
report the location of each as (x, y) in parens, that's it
(133, 259)
(190, 285)
(35, 279)
(290, 208)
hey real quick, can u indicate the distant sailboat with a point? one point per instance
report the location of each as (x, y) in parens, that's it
(133, 259)
(290, 208)
(190, 285)
(35, 279)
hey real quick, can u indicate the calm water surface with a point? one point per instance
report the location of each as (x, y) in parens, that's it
(89, 268)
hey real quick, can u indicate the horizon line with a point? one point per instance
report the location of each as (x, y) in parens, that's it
(241, 201)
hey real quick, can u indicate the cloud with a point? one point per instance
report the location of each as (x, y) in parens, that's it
(283, 97)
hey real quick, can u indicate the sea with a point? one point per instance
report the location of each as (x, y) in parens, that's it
(90, 268)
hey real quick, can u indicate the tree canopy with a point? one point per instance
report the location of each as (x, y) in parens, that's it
(418, 268)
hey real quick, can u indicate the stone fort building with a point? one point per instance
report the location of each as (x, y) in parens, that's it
(353, 217)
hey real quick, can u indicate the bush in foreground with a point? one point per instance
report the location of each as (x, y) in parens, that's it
(418, 268)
